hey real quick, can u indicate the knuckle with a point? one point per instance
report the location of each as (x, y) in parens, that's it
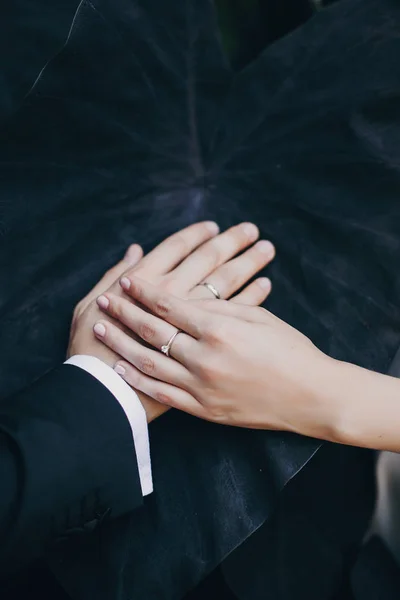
(224, 412)
(146, 332)
(167, 285)
(209, 370)
(138, 290)
(146, 364)
(216, 332)
(205, 372)
(235, 238)
(210, 254)
(133, 271)
(217, 413)
(134, 378)
(115, 307)
(180, 243)
(213, 253)
(232, 276)
(162, 306)
(163, 398)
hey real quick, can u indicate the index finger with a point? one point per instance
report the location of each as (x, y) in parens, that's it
(178, 246)
(181, 313)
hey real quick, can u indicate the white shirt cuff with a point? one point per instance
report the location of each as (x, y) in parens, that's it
(131, 406)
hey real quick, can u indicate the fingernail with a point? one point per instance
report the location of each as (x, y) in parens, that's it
(120, 369)
(103, 302)
(264, 283)
(99, 329)
(125, 283)
(250, 230)
(265, 247)
(132, 254)
(213, 227)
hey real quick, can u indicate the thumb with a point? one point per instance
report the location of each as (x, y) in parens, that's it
(132, 257)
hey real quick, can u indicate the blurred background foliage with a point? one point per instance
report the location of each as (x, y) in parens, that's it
(248, 26)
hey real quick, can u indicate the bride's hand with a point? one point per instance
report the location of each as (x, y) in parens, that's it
(178, 265)
(231, 364)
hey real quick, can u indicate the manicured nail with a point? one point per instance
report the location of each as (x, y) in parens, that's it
(213, 227)
(103, 302)
(125, 283)
(99, 329)
(132, 254)
(265, 247)
(120, 369)
(264, 283)
(250, 230)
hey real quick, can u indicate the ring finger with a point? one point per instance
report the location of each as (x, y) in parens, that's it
(231, 276)
(148, 361)
(149, 328)
(212, 254)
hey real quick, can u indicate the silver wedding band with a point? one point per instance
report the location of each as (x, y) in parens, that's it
(212, 289)
(165, 349)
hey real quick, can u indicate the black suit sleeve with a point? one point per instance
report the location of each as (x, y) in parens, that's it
(67, 458)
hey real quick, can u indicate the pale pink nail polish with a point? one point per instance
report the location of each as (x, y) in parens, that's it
(120, 369)
(125, 283)
(103, 302)
(99, 329)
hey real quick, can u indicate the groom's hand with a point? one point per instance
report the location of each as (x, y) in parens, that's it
(178, 265)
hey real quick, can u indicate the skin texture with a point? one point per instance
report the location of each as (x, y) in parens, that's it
(242, 366)
(178, 265)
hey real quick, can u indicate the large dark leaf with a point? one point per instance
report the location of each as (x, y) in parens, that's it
(127, 124)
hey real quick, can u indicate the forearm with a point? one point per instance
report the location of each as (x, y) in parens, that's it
(357, 407)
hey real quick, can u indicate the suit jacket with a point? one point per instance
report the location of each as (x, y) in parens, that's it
(67, 463)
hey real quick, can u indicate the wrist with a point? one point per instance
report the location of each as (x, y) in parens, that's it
(343, 403)
(335, 402)
(367, 412)
(319, 407)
